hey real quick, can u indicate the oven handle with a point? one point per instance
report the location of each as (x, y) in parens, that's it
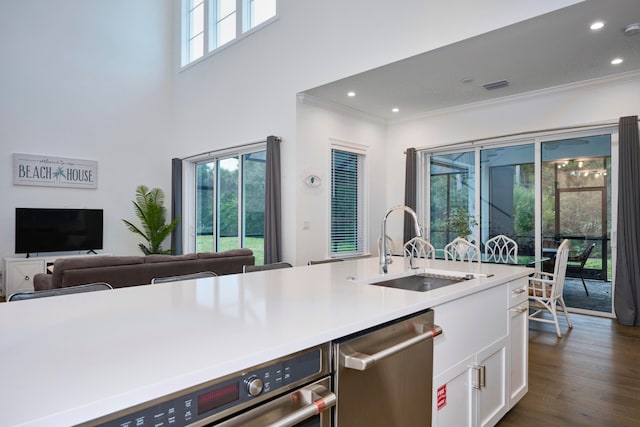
(362, 362)
(312, 409)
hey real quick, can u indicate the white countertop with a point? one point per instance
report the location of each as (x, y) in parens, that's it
(70, 359)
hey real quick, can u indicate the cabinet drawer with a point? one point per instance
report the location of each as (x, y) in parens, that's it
(518, 291)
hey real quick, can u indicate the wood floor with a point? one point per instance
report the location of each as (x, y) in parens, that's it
(590, 377)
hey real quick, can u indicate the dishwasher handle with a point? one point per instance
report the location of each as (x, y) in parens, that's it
(362, 362)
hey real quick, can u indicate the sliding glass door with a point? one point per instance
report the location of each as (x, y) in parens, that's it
(507, 195)
(576, 205)
(452, 192)
(229, 201)
(537, 191)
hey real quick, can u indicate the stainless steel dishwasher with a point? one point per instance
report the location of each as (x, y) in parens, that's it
(384, 376)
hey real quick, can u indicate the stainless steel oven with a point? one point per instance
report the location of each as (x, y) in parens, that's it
(290, 391)
(384, 376)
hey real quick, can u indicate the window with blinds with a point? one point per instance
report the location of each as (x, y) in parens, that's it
(347, 204)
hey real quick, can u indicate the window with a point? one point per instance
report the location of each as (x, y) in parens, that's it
(229, 203)
(347, 203)
(210, 24)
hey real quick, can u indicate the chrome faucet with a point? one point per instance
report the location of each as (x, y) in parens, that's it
(384, 259)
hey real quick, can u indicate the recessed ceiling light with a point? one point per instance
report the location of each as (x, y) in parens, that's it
(395, 109)
(617, 61)
(351, 94)
(597, 25)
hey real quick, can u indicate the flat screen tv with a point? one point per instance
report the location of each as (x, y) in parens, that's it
(53, 230)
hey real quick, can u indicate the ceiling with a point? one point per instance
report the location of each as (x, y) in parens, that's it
(551, 50)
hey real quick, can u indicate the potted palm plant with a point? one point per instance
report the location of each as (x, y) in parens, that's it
(150, 210)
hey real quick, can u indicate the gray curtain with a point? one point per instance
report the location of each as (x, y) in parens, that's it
(272, 208)
(410, 198)
(627, 292)
(176, 205)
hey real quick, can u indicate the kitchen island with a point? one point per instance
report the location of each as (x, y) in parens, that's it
(74, 358)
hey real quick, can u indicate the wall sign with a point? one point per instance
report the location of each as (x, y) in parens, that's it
(49, 171)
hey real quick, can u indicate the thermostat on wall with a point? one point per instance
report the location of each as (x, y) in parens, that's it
(312, 180)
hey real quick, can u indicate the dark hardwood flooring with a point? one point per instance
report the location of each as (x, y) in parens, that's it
(589, 377)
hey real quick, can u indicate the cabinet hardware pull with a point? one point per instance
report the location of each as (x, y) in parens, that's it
(362, 362)
(476, 379)
(520, 309)
(27, 278)
(483, 376)
(520, 291)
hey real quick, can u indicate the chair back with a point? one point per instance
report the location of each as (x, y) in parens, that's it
(584, 256)
(419, 247)
(324, 261)
(560, 269)
(265, 267)
(501, 249)
(391, 249)
(77, 289)
(461, 250)
(199, 275)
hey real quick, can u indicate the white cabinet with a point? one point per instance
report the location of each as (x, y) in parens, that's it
(19, 272)
(480, 361)
(473, 392)
(518, 341)
(490, 386)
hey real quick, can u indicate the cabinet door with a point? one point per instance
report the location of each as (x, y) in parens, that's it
(519, 352)
(20, 275)
(453, 396)
(492, 393)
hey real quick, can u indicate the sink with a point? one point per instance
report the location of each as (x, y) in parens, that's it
(423, 282)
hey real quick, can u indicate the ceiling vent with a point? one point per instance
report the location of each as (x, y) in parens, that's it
(496, 85)
(632, 29)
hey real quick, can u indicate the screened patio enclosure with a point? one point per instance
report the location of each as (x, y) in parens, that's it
(537, 191)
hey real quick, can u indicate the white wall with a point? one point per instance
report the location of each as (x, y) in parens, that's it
(87, 79)
(95, 79)
(319, 128)
(248, 90)
(598, 101)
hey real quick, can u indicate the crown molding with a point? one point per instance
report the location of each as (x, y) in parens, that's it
(628, 75)
(339, 108)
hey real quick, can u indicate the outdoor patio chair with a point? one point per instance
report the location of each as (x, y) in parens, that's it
(581, 260)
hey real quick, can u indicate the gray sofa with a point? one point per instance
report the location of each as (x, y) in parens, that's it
(122, 271)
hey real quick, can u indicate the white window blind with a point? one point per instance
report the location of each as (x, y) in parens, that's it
(347, 203)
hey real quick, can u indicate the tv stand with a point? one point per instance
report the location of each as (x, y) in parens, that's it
(19, 272)
(91, 251)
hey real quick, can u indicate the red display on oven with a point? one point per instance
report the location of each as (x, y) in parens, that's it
(219, 397)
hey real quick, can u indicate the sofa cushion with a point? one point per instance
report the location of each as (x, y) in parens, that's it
(231, 252)
(90, 261)
(165, 258)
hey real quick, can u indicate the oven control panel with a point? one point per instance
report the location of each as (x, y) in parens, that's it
(219, 398)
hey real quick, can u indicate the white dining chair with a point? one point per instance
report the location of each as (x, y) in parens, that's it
(545, 291)
(460, 249)
(501, 249)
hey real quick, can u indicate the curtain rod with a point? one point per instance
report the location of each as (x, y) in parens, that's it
(222, 150)
(475, 141)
